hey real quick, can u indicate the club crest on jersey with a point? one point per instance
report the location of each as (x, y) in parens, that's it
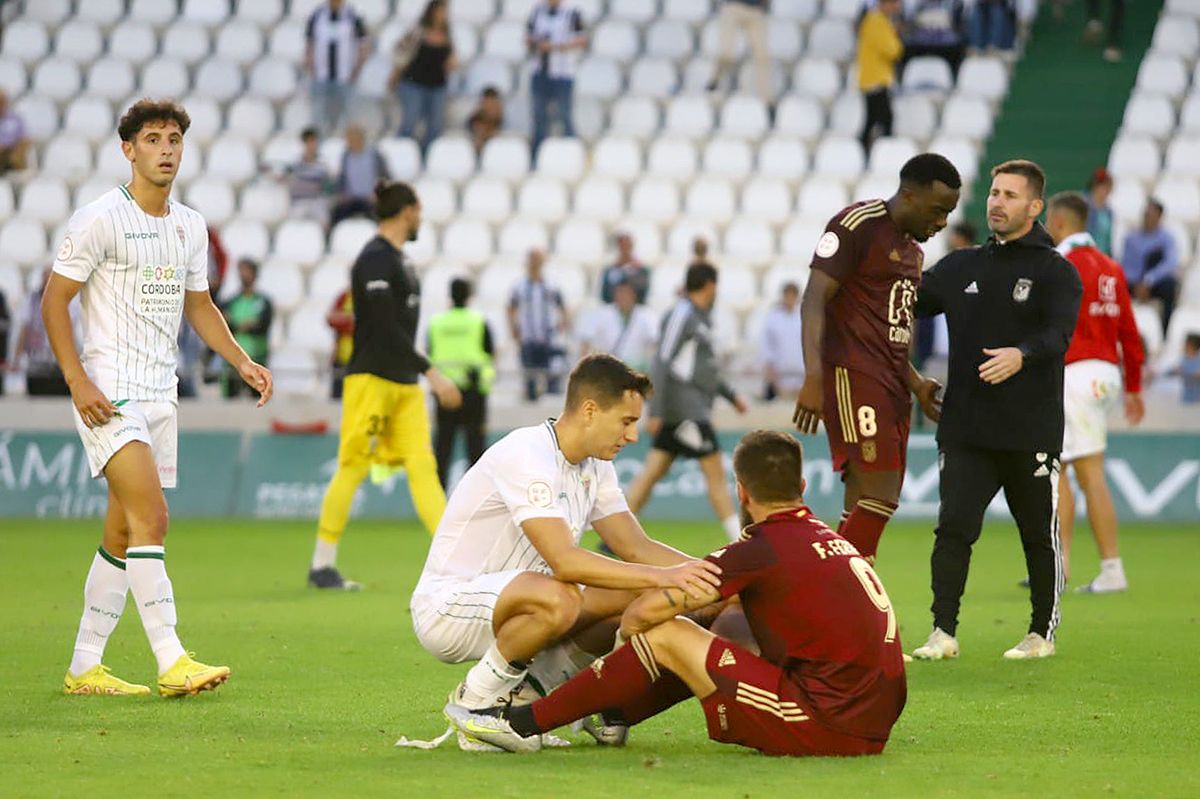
(869, 452)
(828, 245)
(1022, 288)
(540, 494)
(67, 249)
(180, 233)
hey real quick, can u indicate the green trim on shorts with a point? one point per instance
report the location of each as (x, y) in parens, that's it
(120, 564)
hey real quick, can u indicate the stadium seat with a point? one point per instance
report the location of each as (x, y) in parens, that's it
(832, 38)
(519, 236)
(592, 10)
(647, 237)
(822, 197)
(732, 159)
(281, 151)
(40, 115)
(682, 236)
(450, 157)
(209, 13)
(12, 288)
(749, 240)
(888, 154)
(634, 116)
(14, 78)
(744, 116)
(967, 117)
(188, 42)
(50, 13)
(840, 158)
(961, 152)
(1183, 156)
(486, 71)
(874, 186)
(785, 43)
(616, 39)
(251, 118)
(207, 120)
(1148, 115)
(505, 157)
(8, 201)
(1163, 74)
(653, 77)
(403, 157)
(295, 371)
(983, 76)
(426, 247)
(349, 236)
(1135, 158)
(696, 75)
(79, 41)
(69, 157)
(111, 78)
(263, 13)
(799, 239)
(264, 201)
(710, 41)
(1183, 321)
(580, 240)
(776, 79)
(136, 42)
(737, 291)
(496, 283)
(690, 116)
(654, 199)
(518, 10)
(783, 157)
(692, 12)
(591, 119)
(439, 199)
(847, 114)
(671, 157)
(371, 84)
(164, 76)
(783, 271)
(329, 278)
(1128, 200)
(505, 39)
(25, 40)
(666, 282)
(927, 74)
(710, 199)
(767, 198)
(219, 80)
(23, 241)
(599, 198)
(57, 78)
(273, 78)
(232, 157)
(110, 162)
(1180, 197)
(154, 13)
(1177, 35)
(283, 283)
(562, 158)
(244, 238)
(301, 10)
(468, 241)
(638, 12)
(308, 330)
(543, 199)
(617, 157)
(599, 77)
(817, 77)
(1184, 8)
(670, 38)
(299, 241)
(487, 198)
(46, 199)
(1189, 115)
(915, 117)
(287, 41)
(214, 198)
(373, 12)
(800, 116)
(89, 117)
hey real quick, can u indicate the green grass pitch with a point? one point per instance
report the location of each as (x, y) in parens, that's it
(324, 684)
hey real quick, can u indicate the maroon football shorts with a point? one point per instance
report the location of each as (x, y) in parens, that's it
(867, 423)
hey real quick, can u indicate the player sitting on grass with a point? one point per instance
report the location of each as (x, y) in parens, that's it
(830, 680)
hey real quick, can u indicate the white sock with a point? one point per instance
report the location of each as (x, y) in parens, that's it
(325, 554)
(103, 602)
(155, 602)
(490, 680)
(554, 666)
(1112, 566)
(733, 527)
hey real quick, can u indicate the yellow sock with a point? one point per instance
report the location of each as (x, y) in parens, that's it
(428, 497)
(335, 508)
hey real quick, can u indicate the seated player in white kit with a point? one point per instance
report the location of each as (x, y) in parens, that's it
(506, 582)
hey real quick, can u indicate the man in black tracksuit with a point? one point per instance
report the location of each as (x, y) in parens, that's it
(1010, 307)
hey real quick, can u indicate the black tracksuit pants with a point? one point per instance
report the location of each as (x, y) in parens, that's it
(970, 478)
(471, 418)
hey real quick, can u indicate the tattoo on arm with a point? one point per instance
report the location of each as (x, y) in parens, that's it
(670, 599)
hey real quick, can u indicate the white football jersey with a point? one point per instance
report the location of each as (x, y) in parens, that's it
(135, 269)
(522, 476)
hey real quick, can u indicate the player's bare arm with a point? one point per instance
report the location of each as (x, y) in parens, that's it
(654, 607)
(95, 408)
(209, 323)
(817, 294)
(624, 535)
(928, 393)
(572, 564)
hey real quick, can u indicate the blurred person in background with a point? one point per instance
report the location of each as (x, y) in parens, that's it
(700, 252)
(1095, 27)
(782, 360)
(1189, 369)
(623, 328)
(5, 325)
(537, 318)
(309, 182)
(14, 142)
(554, 36)
(43, 375)
(460, 345)
(341, 320)
(362, 168)
(879, 50)
(422, 64)
(1151, 261)
(748, 17)
(191, 354)
(992, 26)
(627, 268)
(249, 315)
(487, 119)
(336, 46)
(1100, 215)
(936, 28)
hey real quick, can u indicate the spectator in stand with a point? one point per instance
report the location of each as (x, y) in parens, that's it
(421, 66)
(43, 377)
(879, 49)
(336, 47)
(1100, 215)
(218, 265)
(362, 168)
(1151, 262)
(749, 17)
(249, 315)
(936, 28)
(992, 25)
(554, 36)
(341, 320)
(626, 269)
(191, 353)
(487, 119)
(699, 252)
(537, 318)
(14, 143)
(5, 324)
(623, 328)
(1189, 369)
(310, 183)
(1095, 27)
(782, 357)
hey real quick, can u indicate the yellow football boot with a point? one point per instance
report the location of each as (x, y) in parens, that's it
(188, 677)
(99, 681)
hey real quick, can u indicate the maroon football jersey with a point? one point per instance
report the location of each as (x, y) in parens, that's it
(869, 321)
(819, 612)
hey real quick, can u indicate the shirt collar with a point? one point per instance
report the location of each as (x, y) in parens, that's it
(1080, 239)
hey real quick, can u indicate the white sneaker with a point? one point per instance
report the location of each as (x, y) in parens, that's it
(940, 645)
(1104, 584)
(493, 730)
(1031, 646)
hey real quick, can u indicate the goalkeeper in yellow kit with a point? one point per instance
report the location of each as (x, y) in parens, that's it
(385, 425)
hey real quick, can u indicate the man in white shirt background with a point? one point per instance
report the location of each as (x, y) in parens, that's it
(780, 353)
(622, 328)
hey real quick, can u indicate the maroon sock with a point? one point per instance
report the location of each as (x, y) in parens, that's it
(663, 694)
(612, 681)
(865, 525)
(842, 523)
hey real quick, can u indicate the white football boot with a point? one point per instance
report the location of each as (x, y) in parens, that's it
(939, 646)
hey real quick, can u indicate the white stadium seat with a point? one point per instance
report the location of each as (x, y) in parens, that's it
(209, 13)
(683, 235)
(600, 77)
(329, 279)
(233, 158)
(1177, 35)
(543, 199)
(647, 237)
(847, 114)
(25, 40)
(671, 157)
(505, 157)
(1149, 115)
(505, 40)
(636, 11)
(348, 238)
(817, 77)
(783, 271)
(747, 80)
(111, 163)
(927, 73)
(513, 9)
(785, 42)
(797, 115)
(690, 11)
(213, 198)
(822, 197)
(616, 39)
(422, 251)
(403, 157)
(653, 77)
(710, 199)
(79, 41)
(287, 41)
(23, 240)
(767, 198)
(165, 76)
(187, 41)
(47, 12)
(1189, 115)
(252, 118)
(1163, 74)
(690, 116)
(728, 158)
(487, 198)
(295, 371)
(273, 78)
(799, 239)
(562, 158)
(983, 76)
(710, 38)
(783, 157)
(299, 241)
(832, 38)
(263, 13)
(450, 157)
(219, 80)
(281, 151)
(697, 74)
(439, 199)
(666, 283)
(12, 287)
(1180, 197)
(580, 240)
(90, 117)
(135, 42)
(13, 76)
(495, 285)
(600, 199)
(46, 199)
(40, 115)
(69, 157)
(967, 117)
(8, 201)
(744, 116)
(283, 282)
(915, 117)
(737, 290)
(1128, 200)
(244, 238)
(840, 158)
(961, 152)
(749, 240)
(57, 78)
(487, 71)
(519, 236)
(111, 78)
(1134, 158)
(308, 330)
(888, 155)
(617, 157)
(301, 10)
(654, 199)
(634, 116)
(468, 241)
(264, 201)
(1183, 157)
(466, 40)
(155, 13)
(669, 38)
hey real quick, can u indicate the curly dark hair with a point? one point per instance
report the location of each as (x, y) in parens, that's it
(147, 110)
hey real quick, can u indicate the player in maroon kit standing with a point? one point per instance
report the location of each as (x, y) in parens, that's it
(830, 679)
(857, 331)
(1106, 338)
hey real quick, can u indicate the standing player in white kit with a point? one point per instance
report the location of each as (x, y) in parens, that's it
(139, 260)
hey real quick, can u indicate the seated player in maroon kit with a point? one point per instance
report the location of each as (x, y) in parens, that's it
(830, 679)
(857, 331)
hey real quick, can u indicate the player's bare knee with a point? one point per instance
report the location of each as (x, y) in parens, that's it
(149, 526)
(664, 640)
(560, 605)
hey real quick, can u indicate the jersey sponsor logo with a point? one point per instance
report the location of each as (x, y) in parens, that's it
(66, 249)
(378, 285)
(141, 236)
(828, 245)
(160, 291)
(1022, 288)
(900, 304)
(726, 659)
(1107, 286)
(540, 494)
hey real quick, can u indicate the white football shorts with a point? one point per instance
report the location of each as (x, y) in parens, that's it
(1090, 390)
(453, 621)
(154, 423)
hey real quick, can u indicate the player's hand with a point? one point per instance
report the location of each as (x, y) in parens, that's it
(696, 578)
(258, 377)
(448, 395)
(94, 408)
(740, 404)
(1135, 408)
(930, 399)
(653, 425)
(808, 405)
(1004, 363)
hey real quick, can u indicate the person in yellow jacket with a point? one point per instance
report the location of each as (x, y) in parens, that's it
(460, 346)
(879, 50)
